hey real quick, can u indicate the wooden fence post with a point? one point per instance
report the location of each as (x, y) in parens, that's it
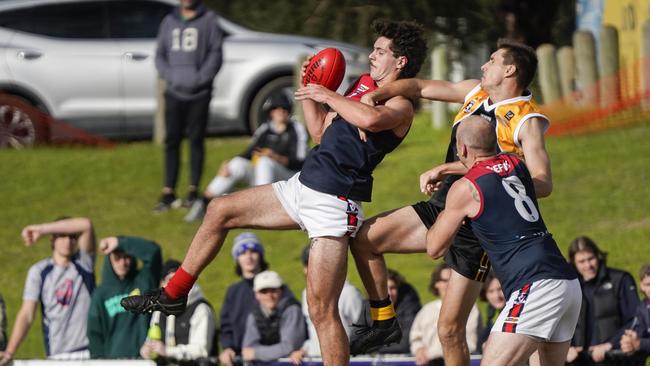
(586, 70)
(608, 57)
(548, 73)
(567, 70)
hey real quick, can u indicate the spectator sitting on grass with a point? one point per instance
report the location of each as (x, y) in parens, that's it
(276, 152)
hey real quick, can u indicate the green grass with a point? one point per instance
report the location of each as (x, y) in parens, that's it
(601, 190)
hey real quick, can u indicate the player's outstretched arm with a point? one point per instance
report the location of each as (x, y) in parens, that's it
(316, 118)
(462, 201)
(396, 112)
(439, 90)
(537, 159)
(429, 180)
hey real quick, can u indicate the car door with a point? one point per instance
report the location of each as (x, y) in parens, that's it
(134, 25)
(64, 55)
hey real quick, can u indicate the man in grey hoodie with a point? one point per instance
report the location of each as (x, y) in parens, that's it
(188, 57)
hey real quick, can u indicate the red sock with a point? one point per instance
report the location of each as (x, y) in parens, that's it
(180, 284)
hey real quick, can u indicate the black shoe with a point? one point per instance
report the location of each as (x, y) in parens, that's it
(370, 339)
(192, 196)
(154, 300)
(167, 201)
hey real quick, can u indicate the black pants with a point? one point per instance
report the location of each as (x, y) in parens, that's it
(181, 116)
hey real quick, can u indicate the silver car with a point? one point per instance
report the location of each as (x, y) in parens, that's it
(90, 63)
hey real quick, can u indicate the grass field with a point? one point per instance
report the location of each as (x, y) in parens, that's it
(601, 190)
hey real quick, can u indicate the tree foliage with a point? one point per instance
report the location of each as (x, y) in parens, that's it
(467, 21)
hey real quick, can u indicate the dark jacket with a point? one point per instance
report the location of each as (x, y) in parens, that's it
(238, 303)
(609, 303)
(642, 325)
(276, 334)
(112, 331)
(189, 53)
(292, 142)
(406, 307)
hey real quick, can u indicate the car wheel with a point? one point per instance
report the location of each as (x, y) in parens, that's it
(258, 111)
(20, 123)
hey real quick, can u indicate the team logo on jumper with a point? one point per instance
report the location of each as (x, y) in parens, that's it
(360, 90)
(509, 115)
(469, 106)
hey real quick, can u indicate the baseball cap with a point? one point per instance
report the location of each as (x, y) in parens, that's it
(267, 279)
(280, 101)
(246, 241)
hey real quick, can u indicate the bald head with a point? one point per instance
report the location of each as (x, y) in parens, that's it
(477, 134)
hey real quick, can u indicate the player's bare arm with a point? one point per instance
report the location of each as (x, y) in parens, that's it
(429, 180)
(396, 114)
(462, 201)
(439, 90)
(316, 117)
(537, 159)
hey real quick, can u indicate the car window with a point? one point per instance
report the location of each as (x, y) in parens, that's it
(84, 20)
(136, 19)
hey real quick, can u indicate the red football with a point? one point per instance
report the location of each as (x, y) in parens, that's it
(326, 68)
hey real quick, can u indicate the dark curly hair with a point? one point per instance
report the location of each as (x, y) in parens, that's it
(523, 57)
(407, 39)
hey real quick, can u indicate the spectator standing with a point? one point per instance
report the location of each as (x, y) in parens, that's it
(425, 343)
(493, 294)
(637, 339)
(112, 331)
(248, 253)
(188, 57)
(350, 310)
(62, 284)
(276, 327)
(188, 338)
(276, 152)
(609, 303)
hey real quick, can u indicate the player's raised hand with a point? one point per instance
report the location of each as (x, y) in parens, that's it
(30, 234)
(315, 92)
(303, 67)
(369, 99)
(5, 358)
(430, 181)
(108, 245)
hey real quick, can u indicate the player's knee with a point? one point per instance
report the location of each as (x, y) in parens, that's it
(450, 332)
(321, 310)
(363, 247)
(218, 212)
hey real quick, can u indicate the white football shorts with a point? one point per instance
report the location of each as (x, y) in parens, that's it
(546, 309)
(319, 214)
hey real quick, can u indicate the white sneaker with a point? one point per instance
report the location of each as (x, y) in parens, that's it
(197, 211)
